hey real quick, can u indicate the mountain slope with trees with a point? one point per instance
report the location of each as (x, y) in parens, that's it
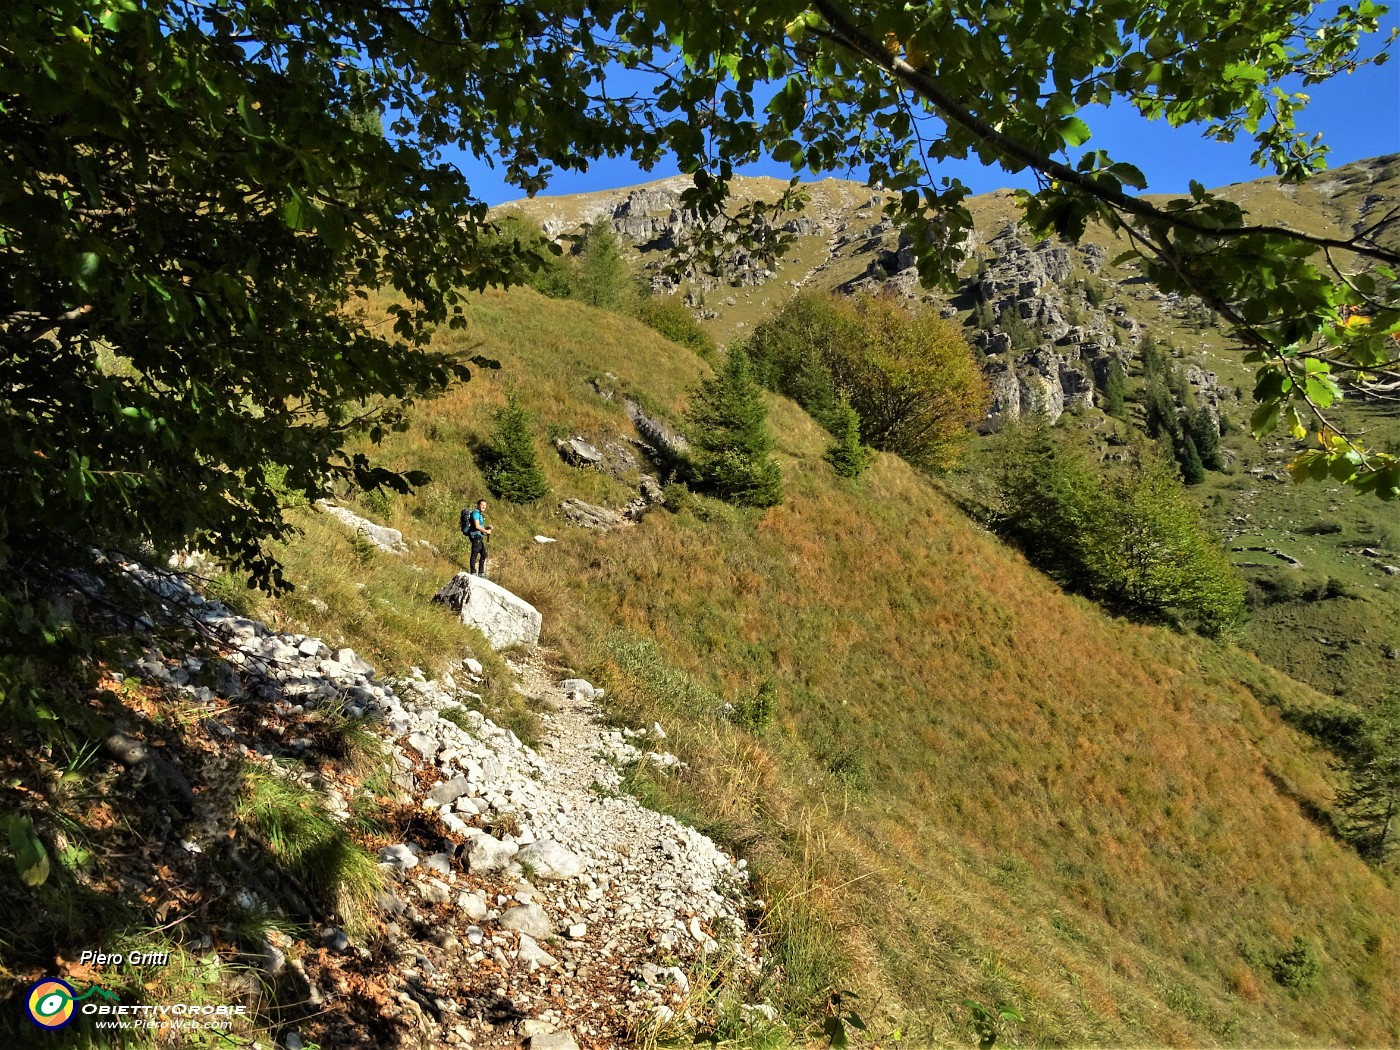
(972, 786)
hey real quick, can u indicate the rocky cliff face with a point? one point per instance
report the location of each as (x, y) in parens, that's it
(1036, 359)
(1047, 317)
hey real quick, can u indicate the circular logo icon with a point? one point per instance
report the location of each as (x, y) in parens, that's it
(50, 1003)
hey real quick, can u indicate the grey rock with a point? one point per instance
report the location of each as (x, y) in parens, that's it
(549, 860)
(454, 823)
(386, 539)
(388, 903)
(449, 790)
(590, 516)
(580, 688)
(353, 662)
(484, 852)
(554, 1041)
(274, 959)
(400, 856)
(434, 891)
(578, 452)
(531, 953)
(504, 618)
(657, 433)
(472, 905)
(425, 745)
(529, 919)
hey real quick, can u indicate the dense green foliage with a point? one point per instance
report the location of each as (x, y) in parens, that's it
(729, 428)
(908, 373)
(1130, 539)
(602, 276)
(669, 316)
(1372, 799)
(174, 258)
(510, 466)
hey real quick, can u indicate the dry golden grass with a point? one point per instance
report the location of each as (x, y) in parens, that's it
(976, 786)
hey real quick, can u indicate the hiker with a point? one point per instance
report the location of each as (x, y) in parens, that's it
(474, 528)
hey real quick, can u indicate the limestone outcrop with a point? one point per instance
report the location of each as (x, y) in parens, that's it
(504, 618)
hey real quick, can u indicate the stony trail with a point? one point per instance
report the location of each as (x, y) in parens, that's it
(528, 900)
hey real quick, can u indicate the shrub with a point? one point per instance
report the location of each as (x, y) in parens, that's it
(909, 374)
(913, 381)
(669, 316)
(512, 472)
(755, 711)
(1130, 539)
(1296, 966)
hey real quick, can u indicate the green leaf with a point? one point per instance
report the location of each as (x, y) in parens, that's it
(1265, 419)
(298, 212)
(1321, 392)
(1074, 131)
(835, 1032)
(31, 859)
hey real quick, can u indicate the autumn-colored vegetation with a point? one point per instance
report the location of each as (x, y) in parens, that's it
(973, 785)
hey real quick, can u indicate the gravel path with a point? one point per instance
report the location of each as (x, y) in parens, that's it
(528, 899)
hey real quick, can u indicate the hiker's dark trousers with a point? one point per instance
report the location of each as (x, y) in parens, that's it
(477, 563)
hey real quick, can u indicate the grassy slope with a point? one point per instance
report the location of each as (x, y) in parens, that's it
(975, 786)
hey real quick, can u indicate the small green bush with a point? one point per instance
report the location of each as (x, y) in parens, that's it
(754, 711)
(669, 316)
(1296, 966)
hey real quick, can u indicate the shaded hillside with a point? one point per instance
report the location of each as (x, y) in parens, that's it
(974, 785)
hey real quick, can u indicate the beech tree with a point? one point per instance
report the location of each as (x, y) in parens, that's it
(1129, 537)
(191, 193)
(908, 373)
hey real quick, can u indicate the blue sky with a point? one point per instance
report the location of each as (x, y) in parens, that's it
(1358, 116)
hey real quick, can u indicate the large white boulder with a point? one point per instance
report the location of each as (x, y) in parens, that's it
(502, 617)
